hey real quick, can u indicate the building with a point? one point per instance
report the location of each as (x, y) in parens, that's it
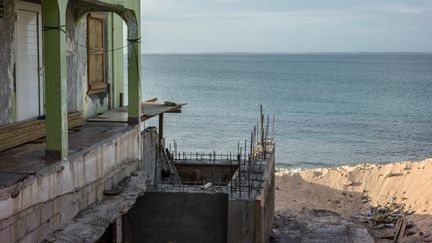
(75, 162)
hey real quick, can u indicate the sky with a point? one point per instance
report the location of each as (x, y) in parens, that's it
(287, 26)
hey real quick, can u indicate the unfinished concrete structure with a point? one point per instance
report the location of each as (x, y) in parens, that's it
(73, 159)
(207, 198)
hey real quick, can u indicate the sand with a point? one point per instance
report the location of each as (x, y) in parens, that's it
(352, 190)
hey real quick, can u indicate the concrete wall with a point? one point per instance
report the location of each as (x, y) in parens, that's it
(7, 61)
(78, 100)
(265, 203)
(177, 217)
(241, 221)
(150, 148)
(77, 78)
(116, 58)
(45, 202)
(250, 220)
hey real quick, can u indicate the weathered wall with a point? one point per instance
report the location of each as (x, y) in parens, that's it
(150, 148)
(116, 58)
(265, 202)
(251, 220)
(78, 100)
(241, 221)
(177, 217)
(7, 61)
(45, 202)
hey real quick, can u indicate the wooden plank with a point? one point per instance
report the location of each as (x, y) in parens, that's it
(12, 127)
(10, 131)
(74, 114)
(20, 133)
(32, 122)
(400, 230)
(99, 85)
(153, 99)
(36, 132)
(22, 139)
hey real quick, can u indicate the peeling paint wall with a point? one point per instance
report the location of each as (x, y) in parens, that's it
(7, 61)
(78, 100)
(77, 81)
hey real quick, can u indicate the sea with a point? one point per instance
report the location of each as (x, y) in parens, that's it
(328, 109)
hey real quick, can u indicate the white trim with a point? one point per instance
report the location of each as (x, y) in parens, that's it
(36, 8)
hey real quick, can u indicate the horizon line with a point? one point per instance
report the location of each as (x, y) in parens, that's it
(285, 53)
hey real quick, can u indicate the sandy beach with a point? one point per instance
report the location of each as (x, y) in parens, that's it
(353, 192)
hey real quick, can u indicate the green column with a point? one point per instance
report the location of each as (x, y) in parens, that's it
(134, 82)
(54, 15)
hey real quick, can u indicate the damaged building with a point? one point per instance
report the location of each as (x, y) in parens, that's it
(77, 163)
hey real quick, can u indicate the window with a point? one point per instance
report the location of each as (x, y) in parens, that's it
(96, 53)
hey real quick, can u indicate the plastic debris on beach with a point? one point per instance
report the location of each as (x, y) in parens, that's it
(387, 215)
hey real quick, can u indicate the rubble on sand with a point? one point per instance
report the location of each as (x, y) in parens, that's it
(390, 221)
(387, 215)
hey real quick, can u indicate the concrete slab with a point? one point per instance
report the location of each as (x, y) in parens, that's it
(8, 179)
(29, 159)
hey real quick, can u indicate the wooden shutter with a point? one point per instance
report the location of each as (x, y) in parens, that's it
(96, 53)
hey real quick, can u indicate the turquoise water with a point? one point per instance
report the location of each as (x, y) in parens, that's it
(330, 109)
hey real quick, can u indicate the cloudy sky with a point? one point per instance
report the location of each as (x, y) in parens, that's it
(194, 26)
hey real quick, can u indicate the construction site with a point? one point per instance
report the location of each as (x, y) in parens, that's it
(123, 185)
(77, 161)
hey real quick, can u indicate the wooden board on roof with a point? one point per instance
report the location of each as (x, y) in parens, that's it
(149, 109)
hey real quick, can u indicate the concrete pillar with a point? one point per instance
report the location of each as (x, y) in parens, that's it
(54, 21)
(134, 71)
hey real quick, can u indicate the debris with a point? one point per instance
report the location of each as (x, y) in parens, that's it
(365, 199)
(400, 230)
(391, 174)
(206, 186)
(348, 183)
(391, 215)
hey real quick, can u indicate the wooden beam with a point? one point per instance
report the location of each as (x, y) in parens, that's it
(153, 99)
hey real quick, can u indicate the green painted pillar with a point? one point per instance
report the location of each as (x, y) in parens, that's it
(134, 81)
(54, 15)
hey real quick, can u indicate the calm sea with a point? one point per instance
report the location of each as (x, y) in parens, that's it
(330, 109)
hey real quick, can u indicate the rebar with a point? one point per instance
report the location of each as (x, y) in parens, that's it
(239, 172)
(231, 174)
(249, 170)
(214, 164)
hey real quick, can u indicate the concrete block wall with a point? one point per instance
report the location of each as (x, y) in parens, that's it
(150, 149)
(45, 202)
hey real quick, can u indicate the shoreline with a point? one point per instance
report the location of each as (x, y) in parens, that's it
(322, 165)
